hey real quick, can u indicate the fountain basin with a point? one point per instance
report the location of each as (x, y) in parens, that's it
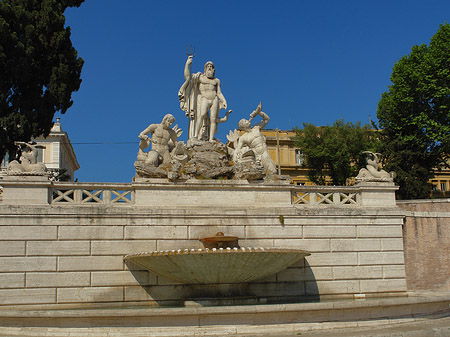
(216, 266)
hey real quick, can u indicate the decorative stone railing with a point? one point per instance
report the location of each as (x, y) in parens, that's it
(161, 193)
(90, 194)
(326, 195)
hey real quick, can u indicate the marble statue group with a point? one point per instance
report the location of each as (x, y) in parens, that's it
(162, 155)
(245, 156)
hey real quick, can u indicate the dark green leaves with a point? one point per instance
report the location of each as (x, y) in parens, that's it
(39, 68)
(415, 115)
(334, 151)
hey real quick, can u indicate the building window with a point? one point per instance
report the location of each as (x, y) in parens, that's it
(443, 186)
(40, 157)
(298, 157)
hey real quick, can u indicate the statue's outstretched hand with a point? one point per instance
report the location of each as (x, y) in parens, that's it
(177, 130)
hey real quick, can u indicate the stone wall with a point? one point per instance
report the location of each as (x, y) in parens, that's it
(427, 244)
(73, 253)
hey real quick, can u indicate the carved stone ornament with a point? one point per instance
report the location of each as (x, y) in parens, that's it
(27, 165)
(372, 172)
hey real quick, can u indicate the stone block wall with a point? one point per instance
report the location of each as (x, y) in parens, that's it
(73, 254)
(426, 236)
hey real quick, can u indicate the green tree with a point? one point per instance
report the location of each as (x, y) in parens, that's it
(414, 115)
(39, 68)
(335, 151)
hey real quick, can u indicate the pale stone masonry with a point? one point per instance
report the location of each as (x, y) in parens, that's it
(55, 252)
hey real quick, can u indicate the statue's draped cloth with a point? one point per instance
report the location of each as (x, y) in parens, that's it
(190, 103)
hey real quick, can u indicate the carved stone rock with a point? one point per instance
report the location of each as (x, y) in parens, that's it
(201, 160)
(210, 159)
(249, 170)
(148, 171)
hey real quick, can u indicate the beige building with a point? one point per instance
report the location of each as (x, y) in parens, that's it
(289, 158)
(58, 153)
(441, 182)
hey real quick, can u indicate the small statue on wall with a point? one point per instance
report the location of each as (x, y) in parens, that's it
(28, 161)
(372, 172)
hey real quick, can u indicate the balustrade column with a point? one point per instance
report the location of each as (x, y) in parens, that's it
(106, 196)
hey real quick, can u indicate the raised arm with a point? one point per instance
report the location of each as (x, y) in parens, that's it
(265, 119)
(187, 68)
(264, 116)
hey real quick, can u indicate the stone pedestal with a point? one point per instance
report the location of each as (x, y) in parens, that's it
(25, 190)
(211, 193)
(377, 194)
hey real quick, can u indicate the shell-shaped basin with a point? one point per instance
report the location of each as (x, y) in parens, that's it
(216, 266)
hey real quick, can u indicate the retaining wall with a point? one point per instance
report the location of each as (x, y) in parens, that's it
(72, 252)
(426, 237)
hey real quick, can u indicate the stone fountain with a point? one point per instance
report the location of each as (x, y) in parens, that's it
(64, 244)
(222, 261)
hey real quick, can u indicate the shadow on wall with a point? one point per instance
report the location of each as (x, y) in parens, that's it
(295, 284)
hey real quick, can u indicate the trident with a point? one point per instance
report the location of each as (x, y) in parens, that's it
(190, 51)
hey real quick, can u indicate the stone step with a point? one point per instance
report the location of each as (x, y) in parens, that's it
(252, 320)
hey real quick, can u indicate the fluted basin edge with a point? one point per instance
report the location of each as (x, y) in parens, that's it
(216, 266)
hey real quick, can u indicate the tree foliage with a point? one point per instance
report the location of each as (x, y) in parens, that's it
(39, 68)
(415, 115)
(334, 151)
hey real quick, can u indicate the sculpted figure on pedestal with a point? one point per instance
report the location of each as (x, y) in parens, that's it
(251, 145)
(372, 172)
(163, 140)
(201, 98)
(199, 94)
(28, 163)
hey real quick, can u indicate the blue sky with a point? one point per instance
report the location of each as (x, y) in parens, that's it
(307, 61)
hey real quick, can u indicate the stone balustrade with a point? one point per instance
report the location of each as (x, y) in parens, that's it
(329, 195)
(91, 194)
(158, 192)
(361, 194)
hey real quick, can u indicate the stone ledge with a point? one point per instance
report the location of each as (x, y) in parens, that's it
(410, 326)
(415, 304)
(57, 212)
